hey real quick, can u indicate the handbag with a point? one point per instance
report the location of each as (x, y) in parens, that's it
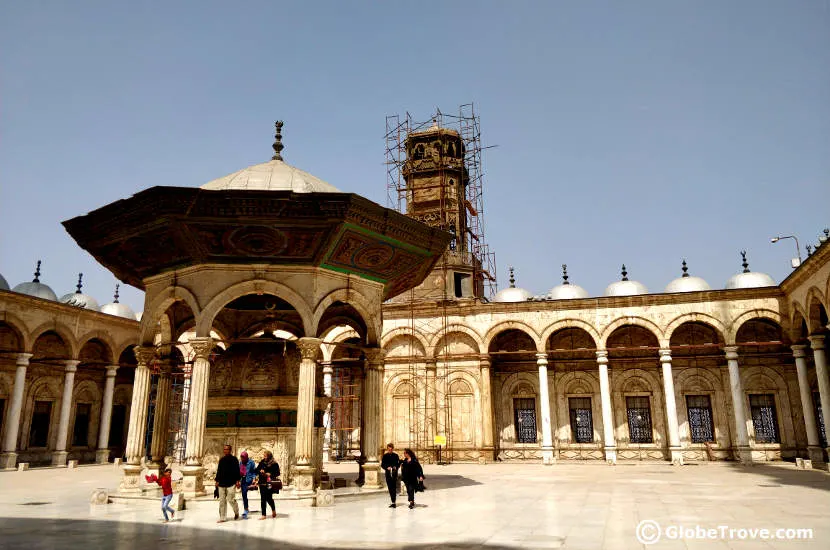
(421, 487)
(276, 485)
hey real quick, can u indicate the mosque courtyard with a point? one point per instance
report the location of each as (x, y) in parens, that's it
(580, 506)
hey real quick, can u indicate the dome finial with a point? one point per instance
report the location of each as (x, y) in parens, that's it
(744, 263)
(37, 273)
(565, 274)
(80, 283)
(115, 300)
(512, 278)
(809, 248)
(624, 273)
(278, 146)
(685, 269)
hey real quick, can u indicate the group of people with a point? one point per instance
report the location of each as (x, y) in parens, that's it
(244, 474)
(412, 474)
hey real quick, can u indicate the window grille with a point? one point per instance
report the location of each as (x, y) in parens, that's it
(525, 416)
(699, 409)
(39, 430)
(582, 422)
(822, 428)
(639, 419)
(764, 419)
(80, 433)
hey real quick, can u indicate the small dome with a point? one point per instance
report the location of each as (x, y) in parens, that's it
(117, 309)
(79, 299)
(748, 279)
(4, 285)
(512, 294)
(687, 283)
(36, 288)
(625, 287)
(566, 291)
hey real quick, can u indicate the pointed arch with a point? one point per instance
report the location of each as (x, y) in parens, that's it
(159, 305)
(456, 327)
(759, 313)
(631, 320)
(19, 327)
(553, 328)
(360, 303)
(503, 326)
(62, 331)
(702, 318)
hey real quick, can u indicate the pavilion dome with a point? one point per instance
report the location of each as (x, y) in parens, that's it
(567, 290)
(79, 299)
(624, 287)
(687, 283)
(117, 309)
(512, 293)
(36, 288)
(4, 285)
(274, 175)
(748, 279)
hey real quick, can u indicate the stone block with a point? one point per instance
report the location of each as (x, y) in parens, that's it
(324, 497)
(808, 464)
(23, 466)
(177, 503)
(72, 464)
(799, 463)
(99, 496)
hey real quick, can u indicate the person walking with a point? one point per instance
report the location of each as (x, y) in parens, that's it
(227, 479)
(166, 482)
(247, 469)
(267, 472)
(390, 464)
(412, 475)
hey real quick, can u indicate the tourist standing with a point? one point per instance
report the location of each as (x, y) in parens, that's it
(166, 482)
(390, 464)
(247, 469)
(268, 471)
(227, 479)
(412, 475)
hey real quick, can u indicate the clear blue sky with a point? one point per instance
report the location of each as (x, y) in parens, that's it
(638, 132)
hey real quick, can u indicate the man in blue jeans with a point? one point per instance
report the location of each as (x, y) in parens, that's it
(247, 469)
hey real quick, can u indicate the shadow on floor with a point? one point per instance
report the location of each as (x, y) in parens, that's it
(785, 474)
(36, 534)
(438, 482)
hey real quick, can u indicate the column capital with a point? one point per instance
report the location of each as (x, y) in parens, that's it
(328, 369)
(799, 350)
(484, 360)
(665, 356)
(23, 359)
(731, 353)
(375, 356)
(602, 357)
(431, 363)
(71, 365)
(309, 348)
(144, 354)
(816, 341)
(202, 346)
(542, 359)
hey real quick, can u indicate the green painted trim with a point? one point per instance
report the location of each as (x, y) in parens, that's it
(348, 272)
(405, 246)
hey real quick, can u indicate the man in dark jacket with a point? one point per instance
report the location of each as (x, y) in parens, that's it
(227, 479)
(390, 463)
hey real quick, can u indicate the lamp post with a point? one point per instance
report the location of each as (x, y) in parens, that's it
(797, 248)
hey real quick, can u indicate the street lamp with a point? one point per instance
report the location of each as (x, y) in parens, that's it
(795, 262)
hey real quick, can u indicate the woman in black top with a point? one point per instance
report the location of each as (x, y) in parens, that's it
(411, 474)
(268, 470)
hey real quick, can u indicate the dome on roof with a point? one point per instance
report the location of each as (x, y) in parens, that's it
(274, 175)
(118, 309)
(567, 290)
(79, 299)
(512, 294)
(748, 279)
(687, 283)
(625, 287)
(4, 285)
(36, 288)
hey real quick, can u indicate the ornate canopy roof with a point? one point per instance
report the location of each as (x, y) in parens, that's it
(166, 228)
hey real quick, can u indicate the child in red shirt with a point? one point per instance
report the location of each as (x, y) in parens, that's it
(166, 483)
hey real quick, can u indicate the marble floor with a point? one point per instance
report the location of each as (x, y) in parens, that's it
(572, 506)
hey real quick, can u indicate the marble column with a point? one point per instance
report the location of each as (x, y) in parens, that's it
(675, 451)
(544, 406)
(60, 453)
(193, 483)
(327, 372)
(139, 409)
(609, 441)
(8, 459)
(820, 360)
(370, 438)
(161, 418)
(814, 451)
(738, 405)
(102, 455)
(309, 350)
(484, 364)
